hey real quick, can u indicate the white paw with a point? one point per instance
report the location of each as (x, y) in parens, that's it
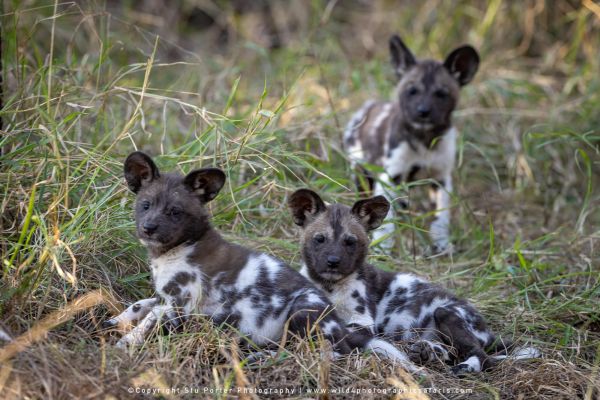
(440, 234)
(469, 366)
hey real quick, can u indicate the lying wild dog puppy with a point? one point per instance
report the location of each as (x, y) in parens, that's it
(195, 270)
(400, 306)
(412, 136)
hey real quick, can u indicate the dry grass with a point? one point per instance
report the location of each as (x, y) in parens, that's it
(86, 83)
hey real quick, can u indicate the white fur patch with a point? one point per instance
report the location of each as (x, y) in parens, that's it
(406, 281)
(137, 336)
(358, 118)
(390, 352)
(164, 270)
(271, 328)
(520, 353)
(472, 364)
(438, 163)
(167, 266)
(135, 312)
(5, 336)
(399, 321)
(329, 327)
(345, 304)
(438, 160)
(482, 336)
(381, 117)
(355, 150)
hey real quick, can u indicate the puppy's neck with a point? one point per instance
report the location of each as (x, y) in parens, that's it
(210, 234)
(403, 129)
(327, 285)
(211, 244)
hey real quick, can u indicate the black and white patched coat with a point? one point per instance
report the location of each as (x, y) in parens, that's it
(196, 271)
(404, 307)
(412, 136)
(397, 306)
(257, 300)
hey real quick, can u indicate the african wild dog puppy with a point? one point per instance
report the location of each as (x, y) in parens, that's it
(399, 306)
(195, 270)
(412, 136)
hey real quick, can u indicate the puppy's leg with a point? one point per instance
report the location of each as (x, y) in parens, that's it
(453, 329)
(440, 226)
(137, 336)
(305, 315)
(131, 315)
(426, 351)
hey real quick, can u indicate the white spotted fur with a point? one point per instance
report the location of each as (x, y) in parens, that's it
(345, 305)
(272, 328)
(165, 267)
(439, 163)
(132, 314)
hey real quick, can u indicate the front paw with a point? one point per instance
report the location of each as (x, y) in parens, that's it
(462, 369)
(420, 353)
(471, 365)
(129, 340)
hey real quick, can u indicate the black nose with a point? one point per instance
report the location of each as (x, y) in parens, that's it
(423, 111)
(333, 261)
(149, 228)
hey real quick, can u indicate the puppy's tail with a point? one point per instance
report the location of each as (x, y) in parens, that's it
(387, 350)
(508, 350)
(519, 353)
(383, 349)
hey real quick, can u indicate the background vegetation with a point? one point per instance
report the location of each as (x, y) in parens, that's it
(264, 90)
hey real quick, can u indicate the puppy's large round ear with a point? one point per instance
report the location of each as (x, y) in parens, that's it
(305, 206)
(402, 58)
(371, 212)
(462, 63)
(139, 170)
(205, 183)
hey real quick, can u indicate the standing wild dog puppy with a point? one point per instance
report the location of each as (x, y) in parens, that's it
(195, 270)
(412, 136)
(400, 306)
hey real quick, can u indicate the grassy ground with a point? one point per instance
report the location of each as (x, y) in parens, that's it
(87, 83)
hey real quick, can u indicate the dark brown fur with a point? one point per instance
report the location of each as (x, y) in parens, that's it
(411, 136)
(401, 305)
(195, 270)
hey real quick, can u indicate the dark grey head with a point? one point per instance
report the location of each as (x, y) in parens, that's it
(334, 238)
(428, 90)
(169, 208)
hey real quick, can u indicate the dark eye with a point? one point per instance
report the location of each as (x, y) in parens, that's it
(319, 238)
(145, 205)
(441, 94)
(350, 241)
(175, 212)
(412, 91)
